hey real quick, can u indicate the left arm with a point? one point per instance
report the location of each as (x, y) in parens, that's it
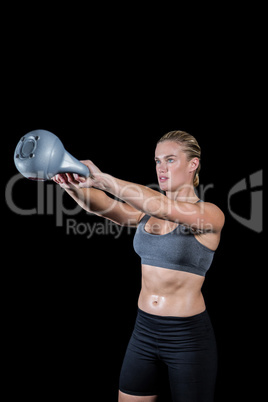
(203, 216)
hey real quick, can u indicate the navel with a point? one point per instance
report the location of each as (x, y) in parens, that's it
(157, 300)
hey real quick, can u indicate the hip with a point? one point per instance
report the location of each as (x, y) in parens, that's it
(174, 334)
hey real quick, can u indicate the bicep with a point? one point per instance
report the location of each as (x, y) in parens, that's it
(120, 213)
(203, 216)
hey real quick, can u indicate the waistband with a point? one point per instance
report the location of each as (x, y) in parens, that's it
(165, 319)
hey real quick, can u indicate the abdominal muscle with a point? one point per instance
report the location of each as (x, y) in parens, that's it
(167, 292)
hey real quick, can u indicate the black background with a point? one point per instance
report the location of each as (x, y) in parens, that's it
(70, 302)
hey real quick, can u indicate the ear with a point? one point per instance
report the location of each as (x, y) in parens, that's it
(193, 164)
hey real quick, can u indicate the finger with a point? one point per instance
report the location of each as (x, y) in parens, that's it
(86, 184)
(77, 177)
(64, 178)
(57, 179)
(81, 179)
(60, 178)
(88, 163)
(69, 177)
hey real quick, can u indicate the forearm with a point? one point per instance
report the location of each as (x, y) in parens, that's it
(140, 197)
(90, 199)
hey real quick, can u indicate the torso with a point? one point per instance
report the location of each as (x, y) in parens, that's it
(167, 292)
(170, 293)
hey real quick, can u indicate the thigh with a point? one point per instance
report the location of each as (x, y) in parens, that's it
(140, 370)
(194, 378)
(193, 368)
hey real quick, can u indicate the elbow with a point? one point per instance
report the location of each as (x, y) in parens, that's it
(160, 208)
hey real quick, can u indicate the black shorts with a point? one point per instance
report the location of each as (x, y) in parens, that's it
(186, 345)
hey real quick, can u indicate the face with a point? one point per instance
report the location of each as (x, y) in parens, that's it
(172, 167)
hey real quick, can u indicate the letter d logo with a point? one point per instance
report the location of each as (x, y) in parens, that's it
(256, 213)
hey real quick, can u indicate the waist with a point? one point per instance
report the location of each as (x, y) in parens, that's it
(156, 321)
(176, 305)
(168, 293)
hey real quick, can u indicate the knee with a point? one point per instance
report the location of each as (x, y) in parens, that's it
(132, 398)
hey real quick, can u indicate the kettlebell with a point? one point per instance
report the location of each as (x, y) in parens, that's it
(40, 155)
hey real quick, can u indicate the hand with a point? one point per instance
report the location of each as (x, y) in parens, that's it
(71, 180)
(94, 180)
(66, 180)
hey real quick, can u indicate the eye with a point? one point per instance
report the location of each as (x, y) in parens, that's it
(157, 161)
(170, 160)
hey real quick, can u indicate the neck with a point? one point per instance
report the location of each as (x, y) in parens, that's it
(185, 193)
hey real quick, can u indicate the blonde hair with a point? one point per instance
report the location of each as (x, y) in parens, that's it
(190, 147)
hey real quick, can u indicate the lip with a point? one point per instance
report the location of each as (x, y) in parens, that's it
(162, 179)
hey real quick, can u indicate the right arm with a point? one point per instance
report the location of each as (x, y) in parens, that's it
(97, 202)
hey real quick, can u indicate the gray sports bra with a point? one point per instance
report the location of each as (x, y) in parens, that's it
(178, 250)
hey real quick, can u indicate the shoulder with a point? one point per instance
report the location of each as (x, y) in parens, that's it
(216, 215)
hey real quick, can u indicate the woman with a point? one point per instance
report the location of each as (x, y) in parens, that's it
(177, 235)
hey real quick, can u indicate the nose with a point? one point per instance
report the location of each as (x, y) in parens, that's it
(162, 167)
